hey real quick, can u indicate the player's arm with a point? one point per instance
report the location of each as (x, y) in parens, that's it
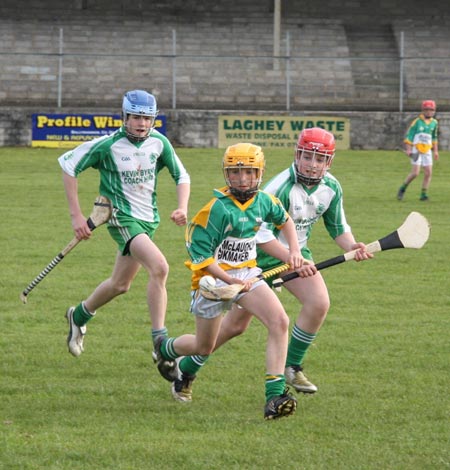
(290, 235)
(408, 149)
(179, 215)
(170, 160)
(434, 139)
(435, 151)
(410, 133)
(348, 243)
(217, 272)
(79, 222)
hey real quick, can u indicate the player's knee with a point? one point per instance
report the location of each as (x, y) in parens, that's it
(160, 269)
(121, 287)
(279, 323)
(284, 323)
(236, 330)
(322, 308)
(319, 307)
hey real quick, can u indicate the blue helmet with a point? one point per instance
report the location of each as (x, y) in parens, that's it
(139, 102)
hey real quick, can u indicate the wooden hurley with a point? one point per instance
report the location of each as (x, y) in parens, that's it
(101, 213)
(413, 233)
(232, 290)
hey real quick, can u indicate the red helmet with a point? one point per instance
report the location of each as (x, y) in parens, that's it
(321, 143)
(428, 104)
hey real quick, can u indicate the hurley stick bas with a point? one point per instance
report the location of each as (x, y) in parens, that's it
(413, 233)
(230, 291)
(100, 214)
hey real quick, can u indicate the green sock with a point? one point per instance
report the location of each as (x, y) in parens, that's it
(167, 350)
(299, 344)
(275, 385)
(81, 315)
(190, 365)
(424, 192)
(403, 187)
(161, 332)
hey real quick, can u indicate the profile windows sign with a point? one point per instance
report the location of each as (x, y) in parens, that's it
(70, 130)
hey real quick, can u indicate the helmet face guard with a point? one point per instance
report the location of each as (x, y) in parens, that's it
(313, 155)
(238, 159)
(138, 103)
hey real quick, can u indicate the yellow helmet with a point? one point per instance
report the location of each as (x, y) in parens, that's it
(244, 155)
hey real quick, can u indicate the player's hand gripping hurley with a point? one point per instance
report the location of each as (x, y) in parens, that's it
(232, 290)
(101, 213)
(413, 233)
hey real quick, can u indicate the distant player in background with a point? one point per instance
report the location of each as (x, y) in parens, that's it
(128, 161)
(420, 141)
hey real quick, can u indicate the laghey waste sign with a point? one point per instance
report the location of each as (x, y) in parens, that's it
(278, 131)
(70, 130)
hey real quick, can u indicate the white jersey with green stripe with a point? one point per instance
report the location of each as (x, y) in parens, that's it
(128, 171)
(306, 207)
(224, 231)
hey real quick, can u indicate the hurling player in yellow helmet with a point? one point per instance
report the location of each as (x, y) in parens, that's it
(221, 242)
(309, 192)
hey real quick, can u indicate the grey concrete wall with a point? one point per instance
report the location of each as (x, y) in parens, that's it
(343, 56)
(369, 130)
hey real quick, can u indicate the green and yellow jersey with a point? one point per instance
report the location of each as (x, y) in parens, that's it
(422, 134)
(224, 231)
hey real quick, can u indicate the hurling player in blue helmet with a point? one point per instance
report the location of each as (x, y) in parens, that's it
(128, 161)
(136, 105)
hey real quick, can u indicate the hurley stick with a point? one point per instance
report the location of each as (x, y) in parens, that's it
(100, 214)
(232, 290)
(413, 233)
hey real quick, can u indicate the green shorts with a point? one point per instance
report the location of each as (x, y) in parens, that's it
(123, 228)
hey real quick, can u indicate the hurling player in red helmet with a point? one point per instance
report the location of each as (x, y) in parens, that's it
(421, 143)
(308, 192)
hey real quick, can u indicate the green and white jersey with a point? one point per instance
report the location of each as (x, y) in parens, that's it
(422, 134)
(224, 231)
(306, 207)
(128, 171)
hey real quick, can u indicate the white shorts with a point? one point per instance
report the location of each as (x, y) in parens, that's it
(206, 308)
(422, 159)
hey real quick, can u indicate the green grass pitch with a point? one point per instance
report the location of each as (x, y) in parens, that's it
(381, 360)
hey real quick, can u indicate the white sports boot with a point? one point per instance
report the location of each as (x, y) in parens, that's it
(76, 334)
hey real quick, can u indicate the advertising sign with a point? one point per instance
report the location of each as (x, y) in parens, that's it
(279, 131)
(70, 130)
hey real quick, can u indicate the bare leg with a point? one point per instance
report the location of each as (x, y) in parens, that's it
(235, 322)
(415, 170)
(146, 253)
(203, 341)
(312, 293)
(265, 305)
(125, 270)
(427, 173)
